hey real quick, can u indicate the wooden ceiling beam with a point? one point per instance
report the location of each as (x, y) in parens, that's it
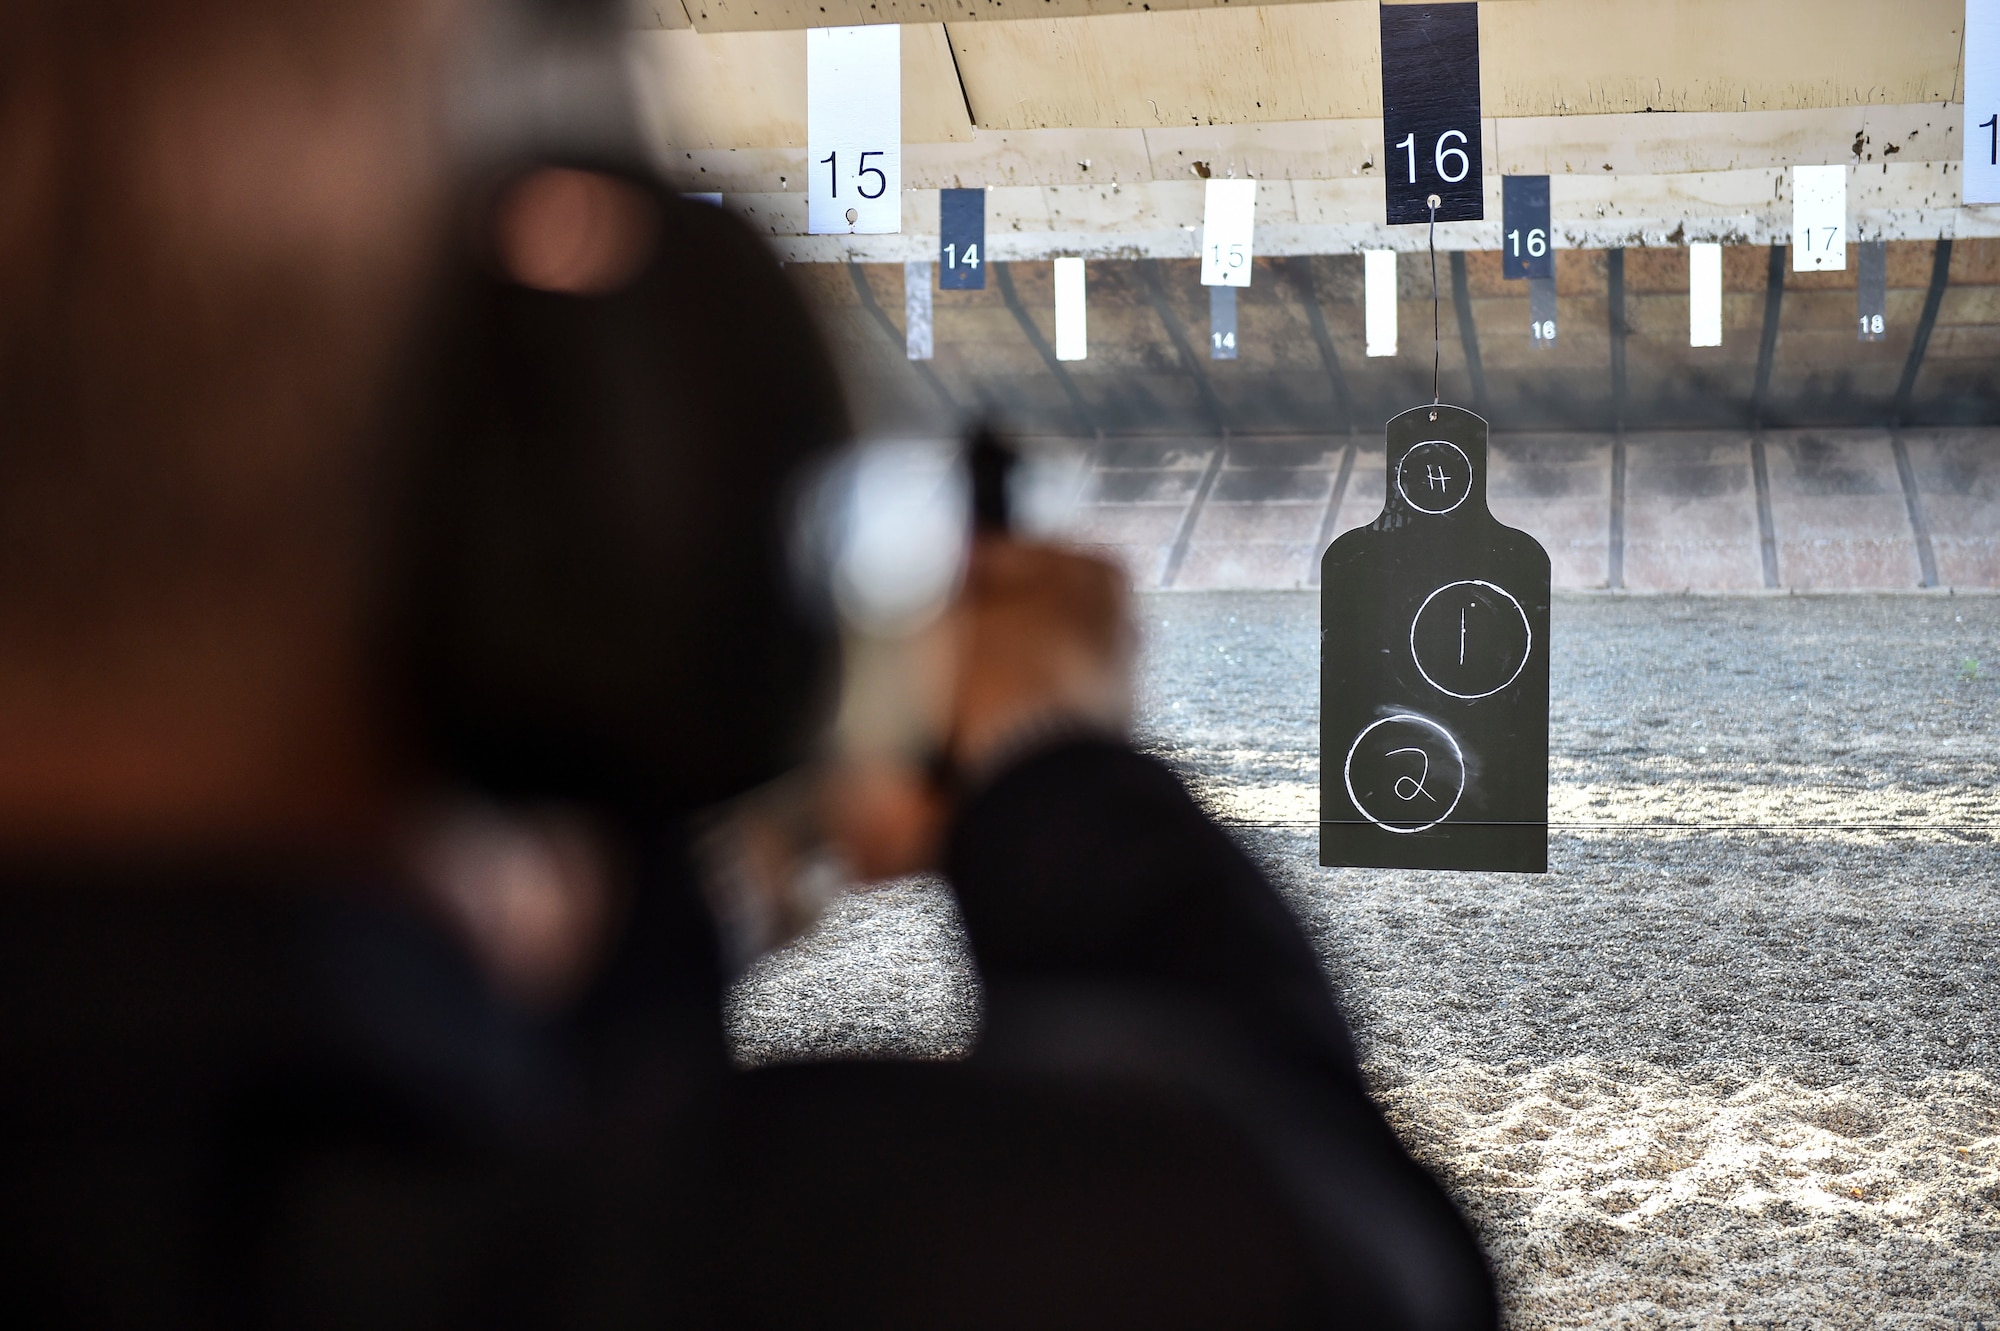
(1106, 64)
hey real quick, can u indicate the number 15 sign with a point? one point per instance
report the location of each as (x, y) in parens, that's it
(854, 130)
(1430, 112)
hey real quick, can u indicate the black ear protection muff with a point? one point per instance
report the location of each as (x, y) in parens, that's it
(597, 599)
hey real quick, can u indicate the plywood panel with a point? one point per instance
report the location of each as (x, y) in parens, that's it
(657, 14)
(752, 15)
(1115, 66)
(1573, 57)
(732, 90)
(1194, 68)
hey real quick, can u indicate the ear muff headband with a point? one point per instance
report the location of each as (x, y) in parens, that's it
(599, 604)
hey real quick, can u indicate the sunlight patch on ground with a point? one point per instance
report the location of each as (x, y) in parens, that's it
(1957, 811)
(1630, 1194)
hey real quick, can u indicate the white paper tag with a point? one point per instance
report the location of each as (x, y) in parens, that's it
(1378, 292)
(1071, 343)
(1228, 216)
(1982, 101)
(917, 308)
(1704, 294)
(1542, 312)
(1871, 289)
(854, 130)
(1819, 218)
(1222, 323)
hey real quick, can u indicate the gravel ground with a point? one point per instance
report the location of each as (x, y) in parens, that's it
(1734, 1061)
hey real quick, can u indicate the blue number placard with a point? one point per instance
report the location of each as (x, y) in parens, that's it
(1527, 249)
(962, 239)
(1430, 112)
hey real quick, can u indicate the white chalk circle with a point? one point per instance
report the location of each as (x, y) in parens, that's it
(1404, 773)
(1471, 639)
(1434, 477)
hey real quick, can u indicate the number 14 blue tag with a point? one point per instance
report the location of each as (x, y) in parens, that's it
(962, 239)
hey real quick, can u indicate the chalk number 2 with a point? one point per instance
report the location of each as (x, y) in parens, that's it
(1440, 154)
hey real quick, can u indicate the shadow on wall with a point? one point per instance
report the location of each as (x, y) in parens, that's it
(1301, 365)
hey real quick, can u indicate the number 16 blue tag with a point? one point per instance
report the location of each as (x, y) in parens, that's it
(1526, 247)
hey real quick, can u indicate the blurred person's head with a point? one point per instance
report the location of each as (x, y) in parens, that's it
(215, 221)
(601, 605)
(235, 253)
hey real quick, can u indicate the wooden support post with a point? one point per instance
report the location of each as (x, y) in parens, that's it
(1156, 296)
(1003, 275)
(888, 325)
(1468, 332)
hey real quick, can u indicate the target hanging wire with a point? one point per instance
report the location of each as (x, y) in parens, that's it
(1437, 343)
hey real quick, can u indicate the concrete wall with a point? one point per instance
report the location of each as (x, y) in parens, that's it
(1836, 512)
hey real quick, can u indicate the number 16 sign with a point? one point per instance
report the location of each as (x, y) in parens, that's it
(1430, 112)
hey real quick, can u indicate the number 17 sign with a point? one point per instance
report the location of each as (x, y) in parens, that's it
(1430, 112)
(1982, 101)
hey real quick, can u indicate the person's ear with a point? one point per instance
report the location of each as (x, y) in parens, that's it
(581, 233)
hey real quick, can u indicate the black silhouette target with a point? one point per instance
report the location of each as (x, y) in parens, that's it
(1434, 686)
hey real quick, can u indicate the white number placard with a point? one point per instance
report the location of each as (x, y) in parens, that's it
(1982, 101)
(1378, 300)
(1704, 294)
(854, 130)
(1542, 312)
(1071, 343)
(1222, 323)
(1819, 218)
(917, 308)
(1228, 215)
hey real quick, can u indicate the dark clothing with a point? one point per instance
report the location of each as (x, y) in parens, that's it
(233, 1105)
